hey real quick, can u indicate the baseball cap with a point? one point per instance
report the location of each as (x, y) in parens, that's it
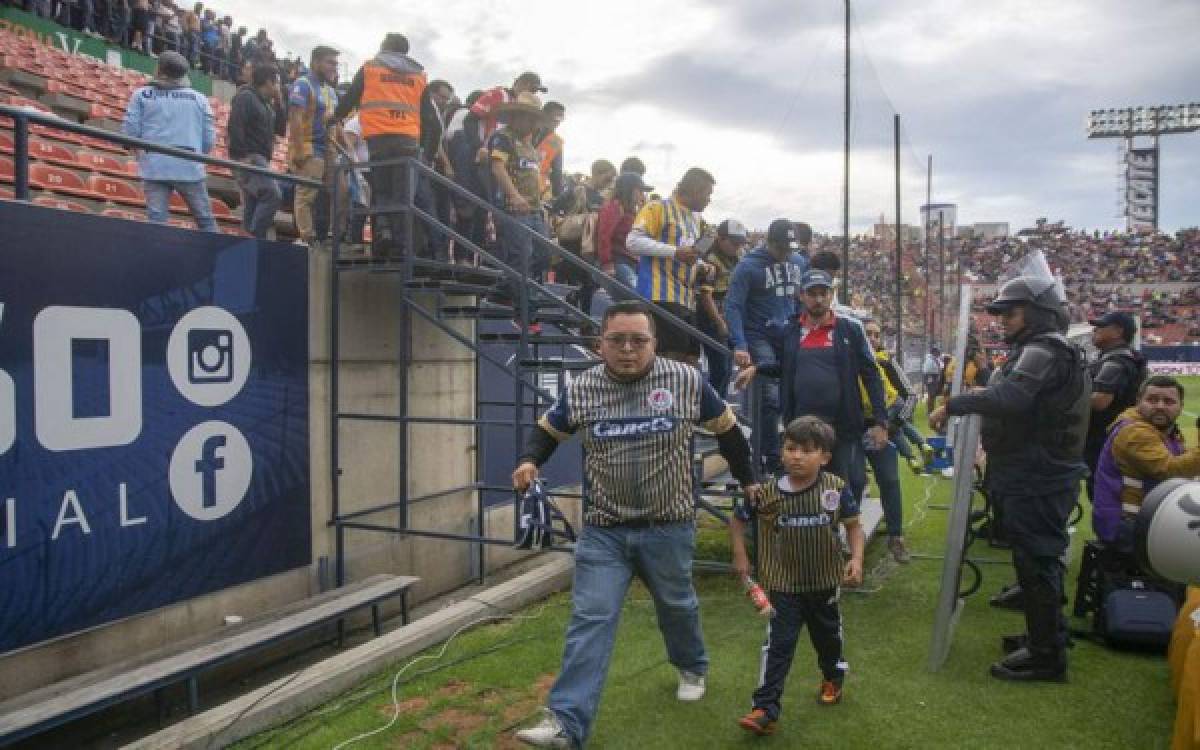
(630, 180)
(783, 232)
(532, 78)
(732, 229)
(816, 278)
(1117, 318)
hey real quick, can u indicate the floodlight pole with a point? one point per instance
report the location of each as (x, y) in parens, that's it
(899, 255)
(846, 172)
(941, 279)
(928, 270)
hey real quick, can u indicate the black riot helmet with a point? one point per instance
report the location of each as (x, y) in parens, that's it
(1045, 293)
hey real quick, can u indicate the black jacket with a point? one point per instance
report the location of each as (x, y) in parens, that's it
(253, 124)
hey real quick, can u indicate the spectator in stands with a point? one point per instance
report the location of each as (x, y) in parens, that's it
(723, 257)
(435, 103)
(576, 212)
(120, 17)
(360, 190)
(635, 165)
(761, 302)
(387, 91)
(517, 177)
(462, 134)
(255, 118)
(613, 225)
(1143, 447)
(191, 30)
(140, 25)
(311, 102)
(931, 373)
(172, 29)
(169, 112)
(663, 237)
(550, 145)
(487, 107)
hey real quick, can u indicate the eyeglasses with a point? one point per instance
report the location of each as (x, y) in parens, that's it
(633, 340)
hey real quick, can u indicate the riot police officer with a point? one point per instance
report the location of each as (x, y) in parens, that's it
(1035, 416)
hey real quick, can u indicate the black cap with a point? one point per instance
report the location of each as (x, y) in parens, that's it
(532, 78)
(783, 232)
(631, 180)
(1117, 318)
(816, 278)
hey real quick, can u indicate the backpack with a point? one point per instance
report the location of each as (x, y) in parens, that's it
(579, 225)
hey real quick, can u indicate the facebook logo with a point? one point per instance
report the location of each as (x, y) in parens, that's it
(211, 470)
(207, 467)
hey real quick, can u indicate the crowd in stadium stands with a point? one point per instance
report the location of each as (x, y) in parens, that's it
(209, 42)
(472, 143)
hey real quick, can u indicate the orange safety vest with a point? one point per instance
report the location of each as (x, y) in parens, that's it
(550, 147)
(391, 102)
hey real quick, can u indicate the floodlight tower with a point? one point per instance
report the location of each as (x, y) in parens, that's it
(1142, 164)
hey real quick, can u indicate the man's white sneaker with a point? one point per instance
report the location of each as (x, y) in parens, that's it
(548, 732)
(691, 686)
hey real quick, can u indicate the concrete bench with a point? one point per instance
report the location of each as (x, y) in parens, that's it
(71, 699)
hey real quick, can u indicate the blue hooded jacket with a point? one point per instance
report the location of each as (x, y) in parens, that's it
(762, 295)
(171, 114)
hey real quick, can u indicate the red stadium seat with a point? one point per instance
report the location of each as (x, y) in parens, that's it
(116, 190)
(101, 144)
(59, 180)
(221, 210)
(177, 204)
(56, 153)
(6, 194)
(64, 205)
(6, 142)
(6, 169)
(104, 163)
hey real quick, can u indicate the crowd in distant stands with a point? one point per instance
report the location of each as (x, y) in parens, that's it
(209, 41)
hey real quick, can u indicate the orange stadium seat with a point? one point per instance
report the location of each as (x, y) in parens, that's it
(65, 205)
(103, 163)
(120, 213)
(59, 180)
(56, 153)
(116, 190)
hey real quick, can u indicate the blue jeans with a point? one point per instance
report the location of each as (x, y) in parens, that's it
(516, 245)
(720, 366)
(606, 559)
(905, 436)
(762, 352)
(849, 462)
(261, 197)
(195, 194)
(885, 464)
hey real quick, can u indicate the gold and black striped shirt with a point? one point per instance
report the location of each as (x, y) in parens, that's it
(638, 439)
(798, 546)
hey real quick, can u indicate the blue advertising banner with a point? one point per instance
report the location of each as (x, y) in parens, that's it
(153, 417)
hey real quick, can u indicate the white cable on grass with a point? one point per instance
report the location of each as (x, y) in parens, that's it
(434, 657)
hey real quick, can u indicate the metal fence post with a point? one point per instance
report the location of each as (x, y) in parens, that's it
(21, 157)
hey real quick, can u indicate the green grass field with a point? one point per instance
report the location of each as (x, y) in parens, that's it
(491, 680)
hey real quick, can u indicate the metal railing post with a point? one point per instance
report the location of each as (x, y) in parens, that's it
(21, 157)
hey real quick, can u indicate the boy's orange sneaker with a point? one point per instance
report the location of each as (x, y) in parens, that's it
(757, 722)
(830, 693)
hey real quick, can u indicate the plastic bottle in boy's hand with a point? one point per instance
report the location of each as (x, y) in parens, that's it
(758, 597)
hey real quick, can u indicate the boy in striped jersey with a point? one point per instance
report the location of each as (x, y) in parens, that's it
(800, 565)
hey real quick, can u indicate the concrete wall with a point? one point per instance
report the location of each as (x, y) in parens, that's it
(441, 383)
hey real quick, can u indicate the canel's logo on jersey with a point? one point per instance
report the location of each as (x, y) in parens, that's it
(631, 427)
(803, 522)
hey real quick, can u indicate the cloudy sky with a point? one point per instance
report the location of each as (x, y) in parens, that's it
(997, 92)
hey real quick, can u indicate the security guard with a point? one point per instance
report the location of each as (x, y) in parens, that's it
(1035, 416)
(1116, 376)
(387, 92)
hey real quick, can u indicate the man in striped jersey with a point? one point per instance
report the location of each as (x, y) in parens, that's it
(664, 237)
(800, 565)
(637, 413)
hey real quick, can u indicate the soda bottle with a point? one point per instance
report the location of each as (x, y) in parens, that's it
(758, 597)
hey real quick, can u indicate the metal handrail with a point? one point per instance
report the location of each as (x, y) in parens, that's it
(23, 116)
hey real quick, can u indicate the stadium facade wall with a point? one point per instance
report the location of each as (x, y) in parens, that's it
(442, 382)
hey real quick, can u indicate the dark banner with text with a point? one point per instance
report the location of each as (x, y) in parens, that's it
(153, 417)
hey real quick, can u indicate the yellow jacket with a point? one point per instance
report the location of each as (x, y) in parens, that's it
(1141, 454)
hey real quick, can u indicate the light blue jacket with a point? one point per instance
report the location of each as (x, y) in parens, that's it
(171, 115)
